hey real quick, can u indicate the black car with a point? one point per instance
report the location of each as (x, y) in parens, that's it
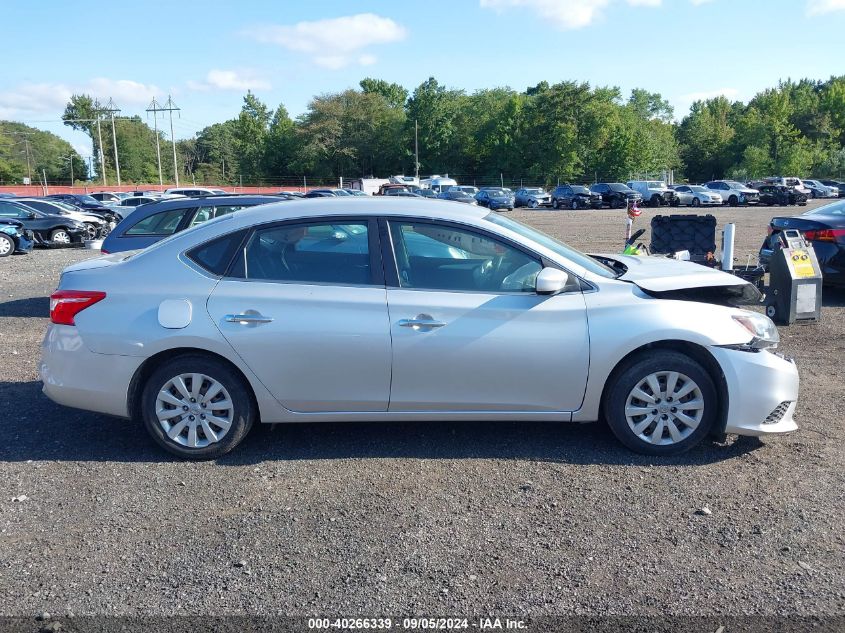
(47, 229)
(321, 193)
(82, 201)
(14, 238)
(824, 228)
(575, 197)
(835, 183)
(780, 195)
(494, 198)
(615, 194)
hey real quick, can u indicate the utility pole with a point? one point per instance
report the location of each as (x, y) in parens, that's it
(170, 108)
(111, 109)
(70, 158)
(416, 151)
(100, 139)
(155, 110)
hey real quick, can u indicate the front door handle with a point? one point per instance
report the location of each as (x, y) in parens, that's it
(421, 323)
(246, 319)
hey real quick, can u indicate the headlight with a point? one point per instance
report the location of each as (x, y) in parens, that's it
(763, 331)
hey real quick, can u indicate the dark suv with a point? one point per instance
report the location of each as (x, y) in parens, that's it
(615, 194)
(152, 222)
(575, 197)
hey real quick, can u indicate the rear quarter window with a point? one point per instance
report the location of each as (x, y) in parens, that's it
(214, 256)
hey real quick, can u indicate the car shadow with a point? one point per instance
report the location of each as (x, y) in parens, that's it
(43, 430)
(32, 307)
(833, 297)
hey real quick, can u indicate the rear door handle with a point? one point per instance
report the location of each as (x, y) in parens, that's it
(422, 322)
(245, 319)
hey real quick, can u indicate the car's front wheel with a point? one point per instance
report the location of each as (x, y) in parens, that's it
(197, 407)
(7, 246)
(60, 236)
(696, 202)
(662, 403)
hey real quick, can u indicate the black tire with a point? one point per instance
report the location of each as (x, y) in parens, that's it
(244, 410)
(630, 376)
(532, 204)
(554, 204)
(574, 204)
(7, 245)
(696, 202)
(615, 203)
(656, 201)
(91, 231)
(733, 201)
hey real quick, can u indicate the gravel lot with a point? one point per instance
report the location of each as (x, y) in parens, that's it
(418, 519)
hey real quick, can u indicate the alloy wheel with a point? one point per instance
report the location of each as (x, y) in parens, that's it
(664, 408)
(6, 246)
(60, 237)
(194, 410)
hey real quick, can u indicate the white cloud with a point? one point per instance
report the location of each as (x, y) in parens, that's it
(564, 14)
(820, 7)
(335, 42)
(48, 98)
(237, 80)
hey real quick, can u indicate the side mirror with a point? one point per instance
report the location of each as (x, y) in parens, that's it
(551, 281)
(31, 215)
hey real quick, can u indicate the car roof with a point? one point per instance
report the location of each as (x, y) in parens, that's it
(151, 208)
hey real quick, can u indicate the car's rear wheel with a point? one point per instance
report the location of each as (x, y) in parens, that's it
(733, 201)
(7, 246)
(574, 205)
(60, 236)
(197, 407)
(696, 202)
(656, 201)
(661, 403)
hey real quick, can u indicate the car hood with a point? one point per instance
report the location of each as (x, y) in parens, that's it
(667, 278)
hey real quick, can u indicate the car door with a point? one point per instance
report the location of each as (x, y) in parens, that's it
(304, 305)
(469, 332)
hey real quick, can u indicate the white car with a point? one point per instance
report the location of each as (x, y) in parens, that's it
(404, 309)
(193, 192)
(820, 190)
(734, 193)
(696, 196)
(467, 189)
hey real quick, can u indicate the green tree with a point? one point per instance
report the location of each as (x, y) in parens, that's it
(250, 135)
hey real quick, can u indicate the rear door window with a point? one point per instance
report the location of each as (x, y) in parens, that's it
(162, 223)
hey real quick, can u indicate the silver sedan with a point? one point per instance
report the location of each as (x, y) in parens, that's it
(696, 196)
(368, 309)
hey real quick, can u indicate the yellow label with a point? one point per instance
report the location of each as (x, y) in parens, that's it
(802, 264)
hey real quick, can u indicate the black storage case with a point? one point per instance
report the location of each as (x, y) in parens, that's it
(684, 232)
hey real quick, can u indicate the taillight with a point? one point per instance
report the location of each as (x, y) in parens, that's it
(66, 304)
(104, 251)
(825, 235)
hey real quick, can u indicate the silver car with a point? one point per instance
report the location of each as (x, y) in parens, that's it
(400, 309)
(696, 196)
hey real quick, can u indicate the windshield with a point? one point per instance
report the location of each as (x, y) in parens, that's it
(537, 190)
(618, 186)
(580, 189)
(89, 200)
(697, 188)
(496, 192)
(733, 184)
(552, 244)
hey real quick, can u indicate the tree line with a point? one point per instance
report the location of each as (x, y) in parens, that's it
(568, 131)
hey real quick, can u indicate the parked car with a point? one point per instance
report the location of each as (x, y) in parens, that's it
(655, 193)
(321, 193)
(82, 201)
(778, 195)
(355, 192)
(291, 194)
(840, 186)
(299, 311)
(153, 222)
(532, 197)
(438, 184)
(733, 193)
(494, 199)
(388, 187)
(456, 195)
(135, 201)
(5, 194)
(615, 194)
(789, 181)
(14, 238)
(401, 193)
(95, 225)
(820, 190)
(696, 196)
(422, 192)
(824, 227)
(575, 197)
(193, 192)
(468, 189)
(46, 229)
(106, 196)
